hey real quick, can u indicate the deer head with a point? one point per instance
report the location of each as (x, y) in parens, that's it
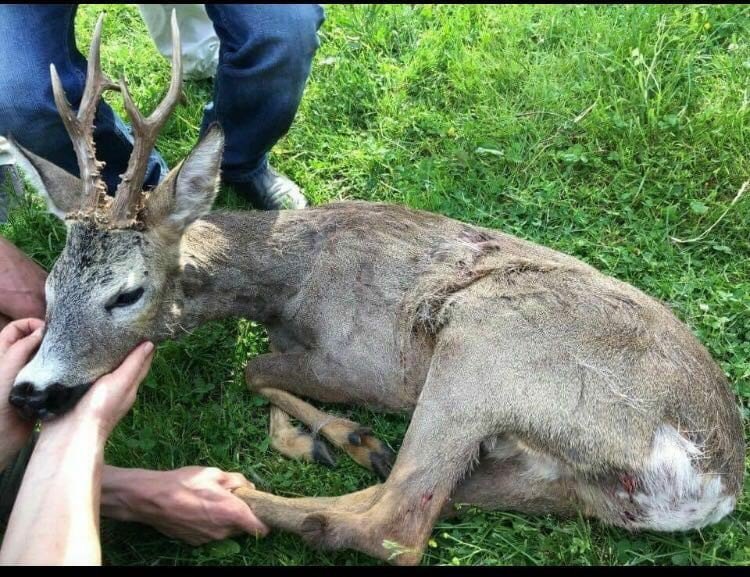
(114, 284)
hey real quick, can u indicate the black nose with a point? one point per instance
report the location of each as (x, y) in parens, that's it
(26, 399)
(55, 399)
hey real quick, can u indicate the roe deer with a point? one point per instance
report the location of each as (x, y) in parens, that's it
(535, 383)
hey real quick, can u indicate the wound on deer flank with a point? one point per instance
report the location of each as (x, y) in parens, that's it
(629, 483)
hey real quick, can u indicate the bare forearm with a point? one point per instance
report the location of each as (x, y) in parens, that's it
(59, 525)
(120, 491)
(21, 284)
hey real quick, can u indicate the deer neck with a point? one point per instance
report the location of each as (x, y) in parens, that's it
(245, 264)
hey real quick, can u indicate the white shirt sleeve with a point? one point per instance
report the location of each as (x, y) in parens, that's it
(6, 155)
(200, 45)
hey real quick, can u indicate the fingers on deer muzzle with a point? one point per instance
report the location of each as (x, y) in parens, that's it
(35, 403)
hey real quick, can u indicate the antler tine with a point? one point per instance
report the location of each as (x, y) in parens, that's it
(146, 131)
(80, 126)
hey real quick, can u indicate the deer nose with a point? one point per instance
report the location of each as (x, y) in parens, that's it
(34, 403)
(27, 399)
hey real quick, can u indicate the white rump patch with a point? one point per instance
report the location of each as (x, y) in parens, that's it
(669, 493)
(672, 493)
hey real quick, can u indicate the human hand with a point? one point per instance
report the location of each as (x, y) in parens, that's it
(193, 504)
(18, 341)
(110, 397)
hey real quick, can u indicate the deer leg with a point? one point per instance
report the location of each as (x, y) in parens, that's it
(294, 443)
(513, 484)
(287, 514)
(393, 521)
(357, 441)
(267, 372)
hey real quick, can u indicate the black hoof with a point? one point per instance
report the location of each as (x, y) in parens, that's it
(382, 463)
(322, 455)
(354, 439)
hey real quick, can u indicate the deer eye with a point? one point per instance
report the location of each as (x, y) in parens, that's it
(125, 299)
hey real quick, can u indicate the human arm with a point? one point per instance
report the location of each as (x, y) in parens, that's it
(21, 284)
(55, 519)
(193, 504)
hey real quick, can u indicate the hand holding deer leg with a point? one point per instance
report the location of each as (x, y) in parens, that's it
(193, 504)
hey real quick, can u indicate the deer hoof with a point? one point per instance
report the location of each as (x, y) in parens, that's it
(369, 451)
(382, 463)
(321, 454)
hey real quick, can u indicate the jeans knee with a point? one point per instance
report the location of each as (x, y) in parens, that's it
(21, 107)
(280, 40)
(303, 33)
(32, 38)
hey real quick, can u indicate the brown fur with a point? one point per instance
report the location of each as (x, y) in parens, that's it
(535, 383)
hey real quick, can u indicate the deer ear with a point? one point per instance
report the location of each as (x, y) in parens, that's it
(190, 189)
(60, 189)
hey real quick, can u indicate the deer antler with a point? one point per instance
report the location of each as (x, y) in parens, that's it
(145, 131)
(80, 127)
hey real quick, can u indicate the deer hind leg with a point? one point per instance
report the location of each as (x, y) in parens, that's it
(393, 521)
(508, 478)
(267, 375)
(290, 514)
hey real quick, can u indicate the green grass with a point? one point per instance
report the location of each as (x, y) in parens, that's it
(598, 131)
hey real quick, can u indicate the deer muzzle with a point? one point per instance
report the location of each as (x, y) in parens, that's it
(34, 403)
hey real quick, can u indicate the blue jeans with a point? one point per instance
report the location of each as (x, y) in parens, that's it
(264, 60)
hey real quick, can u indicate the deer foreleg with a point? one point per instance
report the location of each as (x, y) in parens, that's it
(294, 443)
(269, 374)
(392, 521)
